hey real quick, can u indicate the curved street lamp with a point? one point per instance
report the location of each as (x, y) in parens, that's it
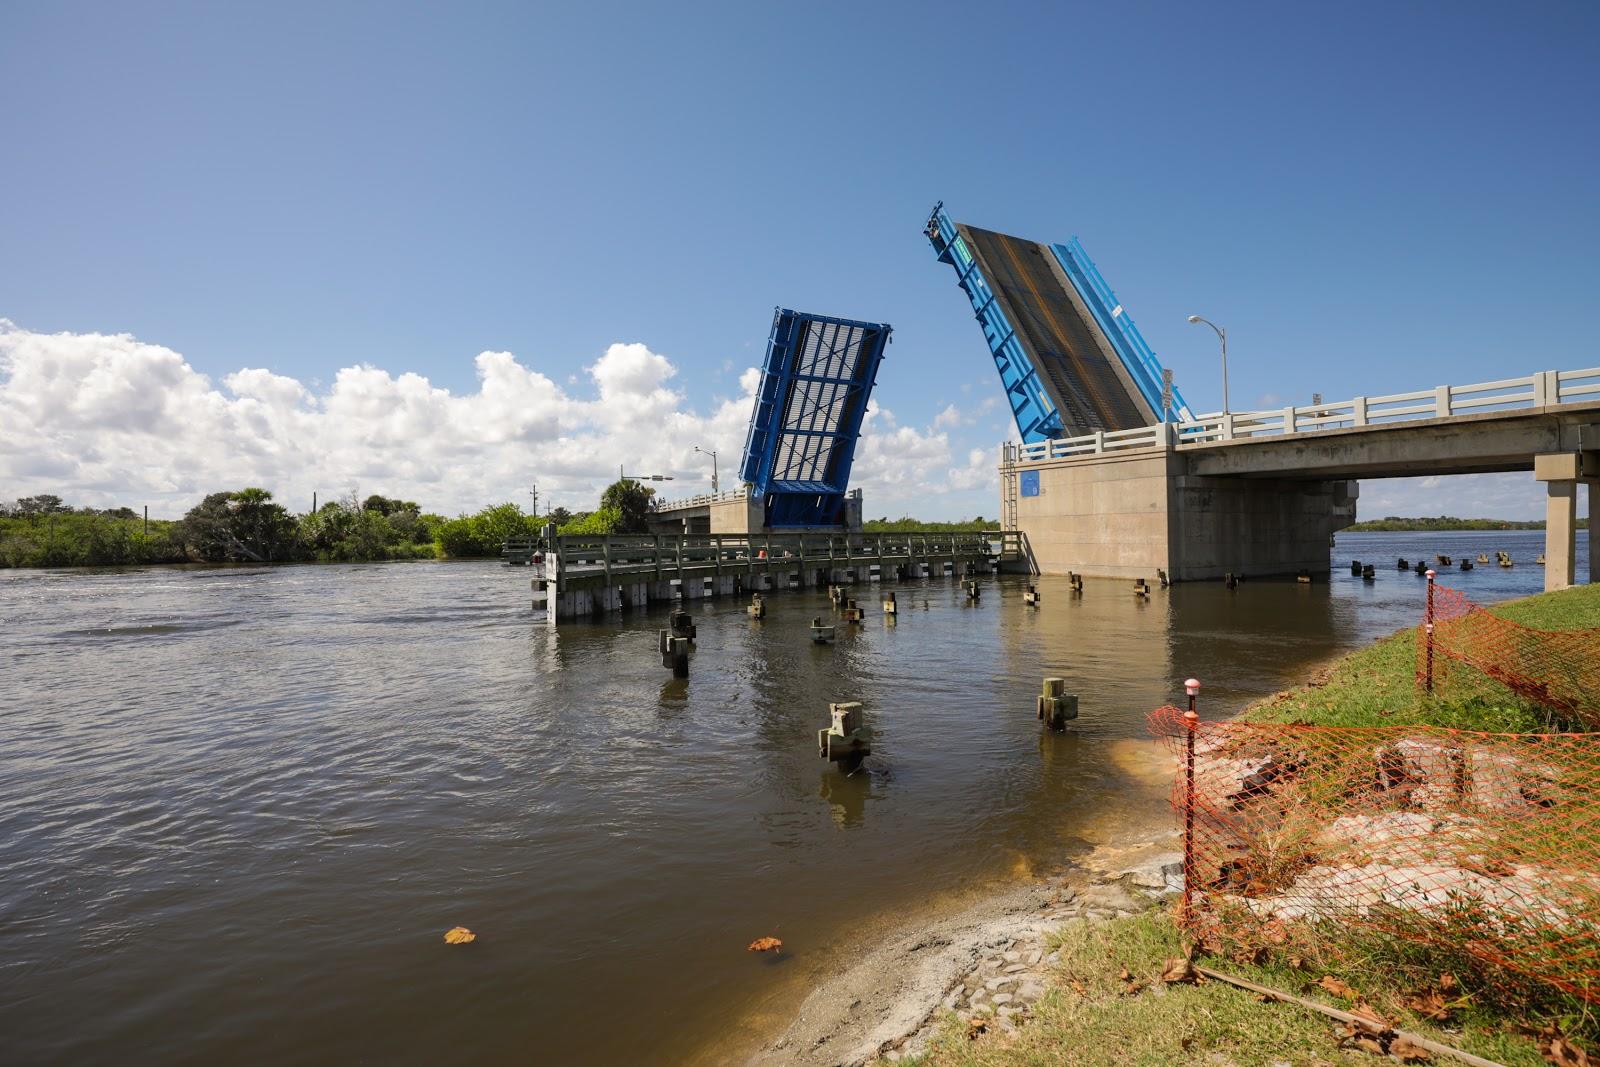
(713, 454)
(1222, 335)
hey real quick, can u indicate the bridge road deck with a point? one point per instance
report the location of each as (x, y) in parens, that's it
(589, 575)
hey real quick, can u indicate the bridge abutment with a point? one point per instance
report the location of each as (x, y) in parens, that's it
(1128, 514)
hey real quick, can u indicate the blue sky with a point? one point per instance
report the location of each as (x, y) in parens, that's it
(1371, 197)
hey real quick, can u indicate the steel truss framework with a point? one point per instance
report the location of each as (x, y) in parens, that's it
(1057, 382)
(815, 383)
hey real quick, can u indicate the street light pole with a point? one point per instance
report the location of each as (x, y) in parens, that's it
(712, 453)
(1222, 335)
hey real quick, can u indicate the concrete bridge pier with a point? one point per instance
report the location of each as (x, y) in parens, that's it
(1561, 472)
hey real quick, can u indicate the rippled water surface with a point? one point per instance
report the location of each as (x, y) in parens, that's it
(239, 807)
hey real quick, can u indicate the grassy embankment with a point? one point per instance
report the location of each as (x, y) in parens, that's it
(1089, 1017)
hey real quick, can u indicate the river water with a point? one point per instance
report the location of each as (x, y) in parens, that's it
(239, 807)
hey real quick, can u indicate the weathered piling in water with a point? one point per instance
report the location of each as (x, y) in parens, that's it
(1075, 582)
(1030, 597)
(972, 590)
(853, 613)
(1404, 565)
(821, 634)
(757, 606)
(889, 605)
(681, 624)
(1057, 706)
(847, 739)
(674, 653)
(1355, 568)
(1230, 580)
(1466, 564)
(1141, 589)
(1161, 576)
(1369, 573)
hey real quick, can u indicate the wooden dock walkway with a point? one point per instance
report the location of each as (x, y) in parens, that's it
(587, 576)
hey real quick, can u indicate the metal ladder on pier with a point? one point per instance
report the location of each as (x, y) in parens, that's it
(1008, 486)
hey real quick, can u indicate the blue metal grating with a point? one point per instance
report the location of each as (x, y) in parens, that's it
(815, 382)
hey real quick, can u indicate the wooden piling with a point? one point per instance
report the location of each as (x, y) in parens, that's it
(847, 739)
(1056, 706)
(674, 653)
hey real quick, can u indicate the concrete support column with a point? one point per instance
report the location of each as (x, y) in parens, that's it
(1594, 529)
(1559, 471)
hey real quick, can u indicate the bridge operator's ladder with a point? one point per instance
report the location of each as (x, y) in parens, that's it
(1008, 486)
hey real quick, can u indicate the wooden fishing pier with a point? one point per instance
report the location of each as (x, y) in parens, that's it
(583, 577)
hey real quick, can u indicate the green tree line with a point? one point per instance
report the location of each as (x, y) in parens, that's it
(1400, 524)
(248, 526)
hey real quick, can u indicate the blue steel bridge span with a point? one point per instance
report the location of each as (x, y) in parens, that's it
(1068, 353)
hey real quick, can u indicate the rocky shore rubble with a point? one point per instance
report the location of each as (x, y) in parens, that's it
(1292, 828)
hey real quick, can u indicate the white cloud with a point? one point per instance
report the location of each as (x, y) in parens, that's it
(109, 419)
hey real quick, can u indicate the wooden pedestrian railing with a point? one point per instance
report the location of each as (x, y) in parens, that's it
(663, 557)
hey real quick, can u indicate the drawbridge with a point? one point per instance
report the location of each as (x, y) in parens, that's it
(1070, 358)
(815, 383)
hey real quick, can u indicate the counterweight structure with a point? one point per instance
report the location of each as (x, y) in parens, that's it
(1070, 358)
(815, 383)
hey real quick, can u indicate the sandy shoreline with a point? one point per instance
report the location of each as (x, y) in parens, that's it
(986, 956)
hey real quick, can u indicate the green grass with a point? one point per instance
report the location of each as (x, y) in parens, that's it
(1087, 1018)
(1376, 685)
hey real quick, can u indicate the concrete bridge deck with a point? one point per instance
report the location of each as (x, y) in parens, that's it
(586, 576)
(1261, 492)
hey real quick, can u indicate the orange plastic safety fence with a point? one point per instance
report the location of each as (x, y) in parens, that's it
(1559, 669)
(1486, 843)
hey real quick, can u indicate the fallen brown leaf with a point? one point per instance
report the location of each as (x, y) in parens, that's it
(977, 1026)
(1405, 1051)
(1177, 970)
(764, 944)
(1429, 1005)
(1557, 1048)
(1077, 986)
(1447, 983)
(459, 935)
(1124, 976)
(1357, 1038)
(1266, 998)
(1297, 963)
(1368, 1016)
(1133, 989)
(1336, 987)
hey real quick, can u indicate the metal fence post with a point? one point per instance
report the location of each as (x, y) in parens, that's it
(1428, 627)
(1191, 723)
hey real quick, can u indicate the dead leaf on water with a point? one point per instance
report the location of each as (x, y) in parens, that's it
(765, 944)
(459, 935)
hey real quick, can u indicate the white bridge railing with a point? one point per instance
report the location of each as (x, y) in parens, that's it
(703, 499)
(1544, 389)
